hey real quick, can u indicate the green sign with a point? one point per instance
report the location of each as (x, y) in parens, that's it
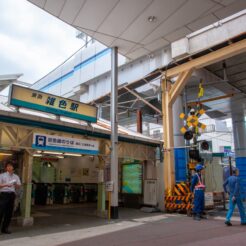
(132, 178)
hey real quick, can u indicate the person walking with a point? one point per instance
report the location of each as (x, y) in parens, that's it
(9, 182)
(233, 183)
(198, 188)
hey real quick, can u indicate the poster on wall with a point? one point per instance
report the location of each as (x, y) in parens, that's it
(132, 178)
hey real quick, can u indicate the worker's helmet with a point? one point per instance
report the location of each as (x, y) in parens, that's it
(199, 167)
(192, 111)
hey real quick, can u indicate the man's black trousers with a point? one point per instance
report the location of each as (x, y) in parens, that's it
(7, 200)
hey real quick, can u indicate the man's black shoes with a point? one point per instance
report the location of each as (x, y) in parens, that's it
(203, 217)
(228, 223)
(196, 217)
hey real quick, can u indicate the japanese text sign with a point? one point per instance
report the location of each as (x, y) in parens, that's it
(65, 144)
(37, 100)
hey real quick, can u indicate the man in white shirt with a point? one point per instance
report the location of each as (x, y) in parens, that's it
(9, 182)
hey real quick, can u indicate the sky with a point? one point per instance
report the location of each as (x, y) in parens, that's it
(32, 41)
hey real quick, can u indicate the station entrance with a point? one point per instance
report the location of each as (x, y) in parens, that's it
(59, 179)
(64, 165)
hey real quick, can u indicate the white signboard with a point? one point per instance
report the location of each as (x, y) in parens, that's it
(150, 192)
(209, 199)
(109, 186)
(64, 144)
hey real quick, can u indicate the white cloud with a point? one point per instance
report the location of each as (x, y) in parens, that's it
(32, 41)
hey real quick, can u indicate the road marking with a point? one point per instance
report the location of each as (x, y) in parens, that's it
(223, 218)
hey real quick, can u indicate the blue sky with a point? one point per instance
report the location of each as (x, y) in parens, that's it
(32, 42)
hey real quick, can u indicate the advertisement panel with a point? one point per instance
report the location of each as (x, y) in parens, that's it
(132, 178)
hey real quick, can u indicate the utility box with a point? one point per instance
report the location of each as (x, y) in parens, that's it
(150, 192)
(209, 200)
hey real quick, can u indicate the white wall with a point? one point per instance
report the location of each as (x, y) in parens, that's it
(214, 175)
(75, 167)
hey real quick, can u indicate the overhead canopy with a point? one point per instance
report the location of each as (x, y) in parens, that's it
(224, 82)
(138, 27)
(8, 79)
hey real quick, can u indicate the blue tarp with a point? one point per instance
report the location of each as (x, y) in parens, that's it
(180, 164)
(241, 165)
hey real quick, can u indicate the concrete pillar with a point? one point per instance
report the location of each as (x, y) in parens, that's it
(179, 142)
(114, 132)
(101, 186)
(26, 219)
(239, 131)
(101, 199)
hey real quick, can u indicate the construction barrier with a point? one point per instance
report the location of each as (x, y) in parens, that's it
(179, 199)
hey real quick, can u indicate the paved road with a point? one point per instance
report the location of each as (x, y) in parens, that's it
(172, 231)
(70, 227)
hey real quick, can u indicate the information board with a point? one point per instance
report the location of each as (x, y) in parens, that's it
(109, 186)
(72, 145)
(132, 178)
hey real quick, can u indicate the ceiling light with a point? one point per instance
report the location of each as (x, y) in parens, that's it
(52, 153)
(2, 153)
(152, 19)
(37, 155)
(60, 157)
(72, 154)
(39, 151)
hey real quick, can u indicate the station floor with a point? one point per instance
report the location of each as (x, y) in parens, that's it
(75, 225)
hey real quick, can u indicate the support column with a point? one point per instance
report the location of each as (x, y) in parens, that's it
(101, 198)
(169, 95)
(101, 185)
(139, 121)
(101, 212)
(26, 219)
(167, 119)
(239, 131)
(179, 142)
(114, 132)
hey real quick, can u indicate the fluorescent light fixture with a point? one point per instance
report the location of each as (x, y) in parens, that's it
(52, 153)
(37, 155)
(60, 157)
(72, 154)
(2, 153)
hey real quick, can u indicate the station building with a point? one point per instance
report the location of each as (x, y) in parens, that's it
(166, 49)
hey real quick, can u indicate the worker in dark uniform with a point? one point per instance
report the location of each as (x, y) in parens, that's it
(8, 184)
(198, 188)
(233, 183)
